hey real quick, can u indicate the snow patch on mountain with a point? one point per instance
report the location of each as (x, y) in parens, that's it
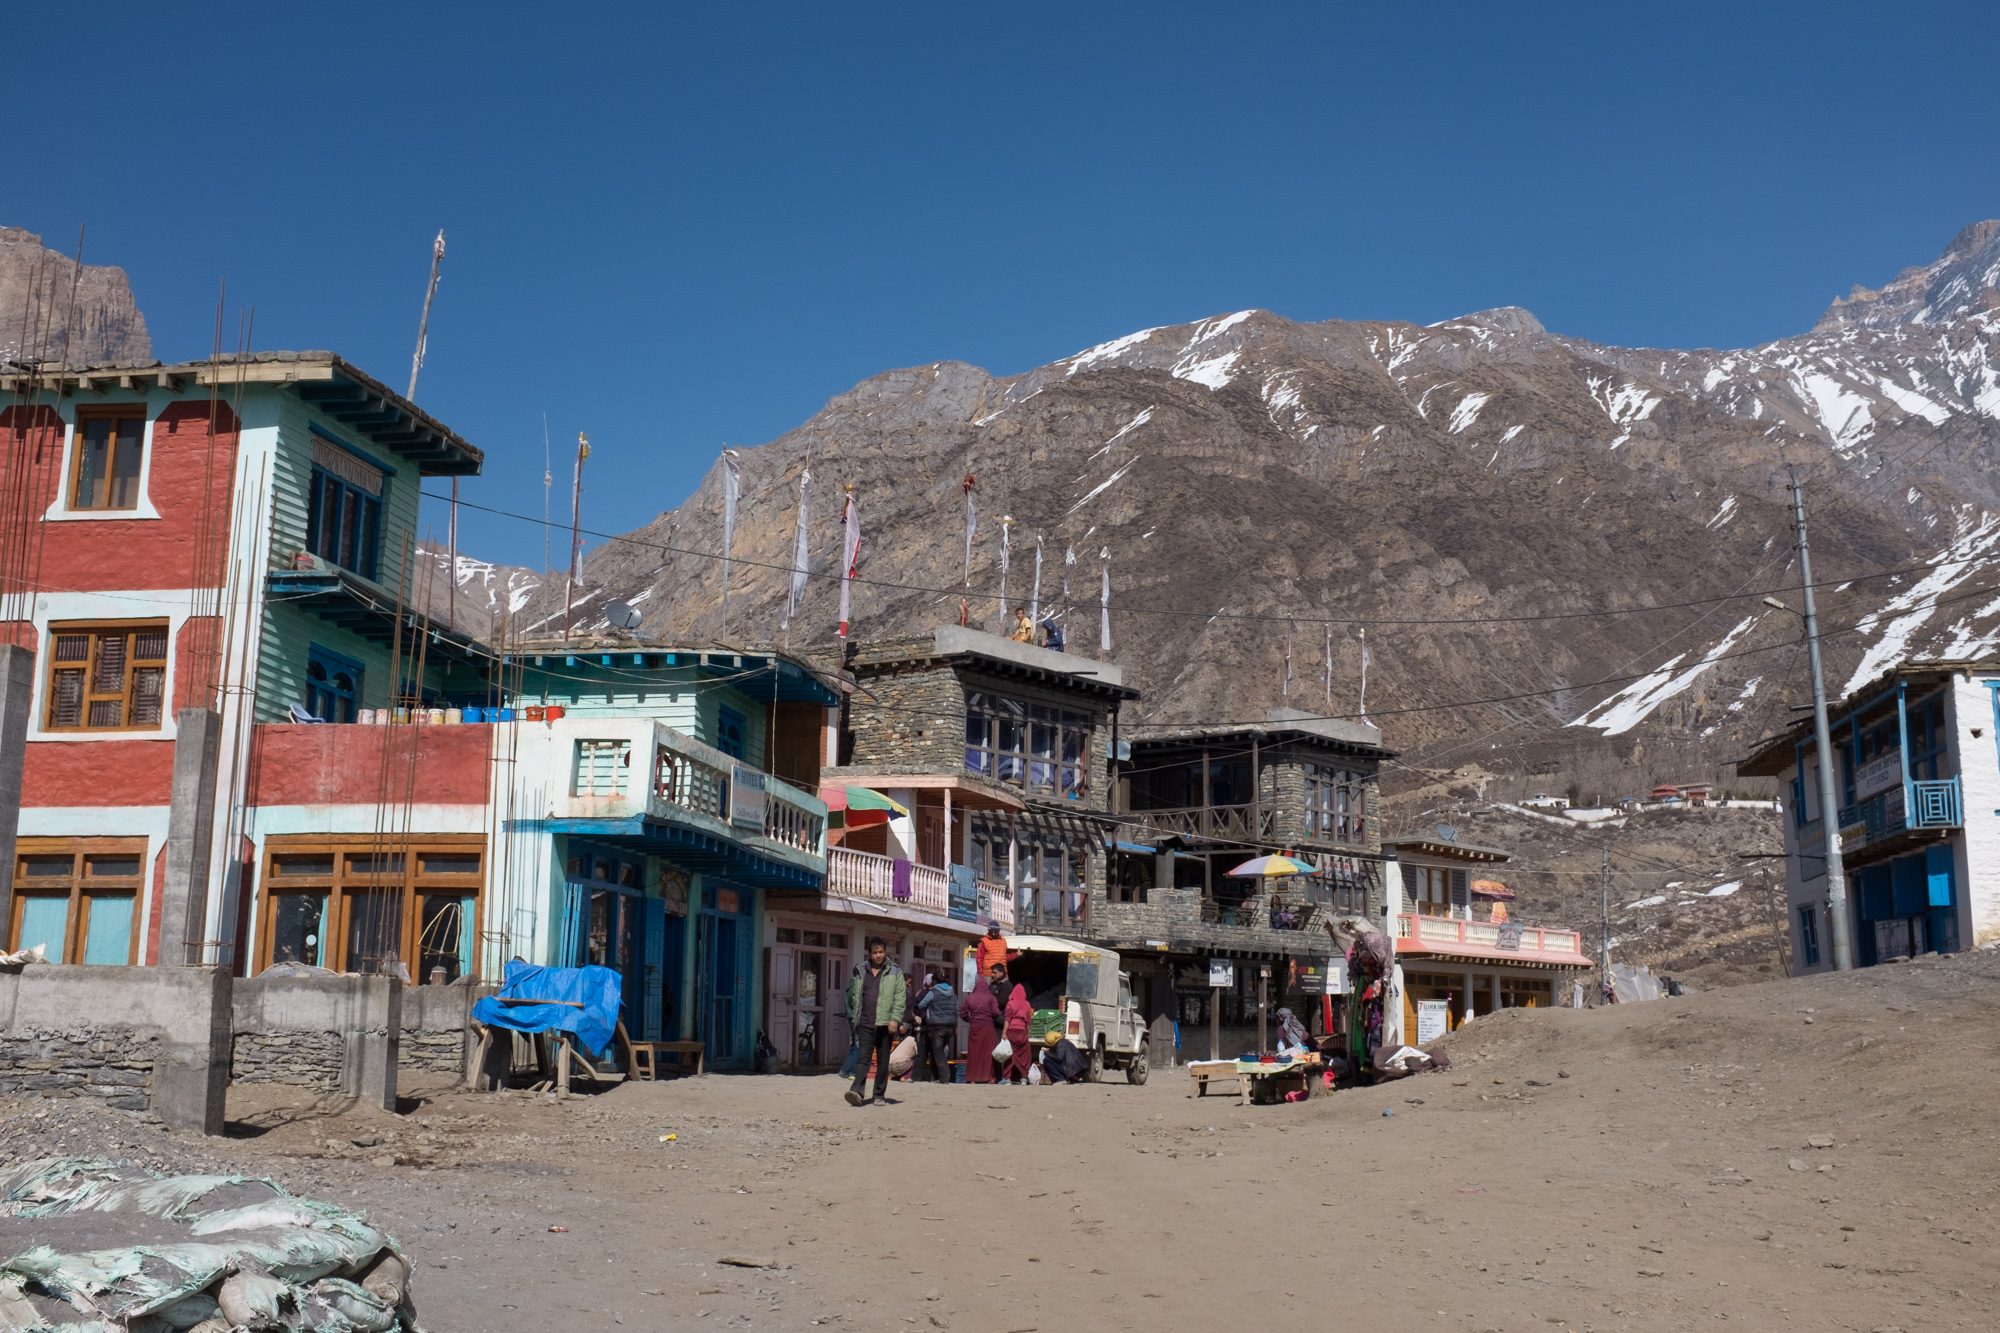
(1898, 620)
(1636, 702)
(1467, 411)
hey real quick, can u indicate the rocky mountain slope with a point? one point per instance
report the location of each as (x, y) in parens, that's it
(35, 306)
(1536, 532)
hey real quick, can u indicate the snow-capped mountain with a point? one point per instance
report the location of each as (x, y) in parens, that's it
(1540, 524)
(487, 595)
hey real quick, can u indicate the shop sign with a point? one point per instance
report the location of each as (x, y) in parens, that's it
(1878, 775)
(746, 797)
(962, 894)
(1510, 935)
(1221, 973)
(1320, 976)
(1433, 1020)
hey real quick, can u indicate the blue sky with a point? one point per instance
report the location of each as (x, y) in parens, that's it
(676, 225)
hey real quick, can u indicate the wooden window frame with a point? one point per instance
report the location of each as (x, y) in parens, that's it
(76, 928)
(410, 882)
(324, 539)
(99, 630)
(118, 415)
(324, 699)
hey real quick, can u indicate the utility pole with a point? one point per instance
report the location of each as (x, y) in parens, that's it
(1604, 923)
(1829, 810)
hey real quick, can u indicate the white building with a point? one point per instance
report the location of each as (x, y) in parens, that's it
(1918, 750)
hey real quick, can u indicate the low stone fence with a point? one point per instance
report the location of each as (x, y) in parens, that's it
(132, 1037)
(437, 1029)
(338, 1033)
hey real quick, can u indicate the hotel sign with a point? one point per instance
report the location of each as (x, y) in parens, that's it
(1878, 775)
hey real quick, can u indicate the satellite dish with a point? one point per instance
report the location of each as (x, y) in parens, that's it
(1446, 833)
(621, 615)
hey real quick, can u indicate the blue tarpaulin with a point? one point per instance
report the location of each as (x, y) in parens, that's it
(595, 988)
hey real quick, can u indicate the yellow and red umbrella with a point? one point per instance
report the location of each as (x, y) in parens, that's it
(864, 806)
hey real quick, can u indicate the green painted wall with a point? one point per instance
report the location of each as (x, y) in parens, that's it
(288, 632)
(668, 694)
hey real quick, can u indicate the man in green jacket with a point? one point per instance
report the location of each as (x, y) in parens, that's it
(877, 999)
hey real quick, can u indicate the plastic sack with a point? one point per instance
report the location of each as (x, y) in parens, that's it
(1035, 1076)
(1003, 1050)
(903, 1057)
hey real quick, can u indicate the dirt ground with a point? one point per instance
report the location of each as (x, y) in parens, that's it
(1816, 1154)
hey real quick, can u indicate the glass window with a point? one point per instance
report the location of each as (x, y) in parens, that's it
(344, 509)
(110, 443)
(333, 685)
(1040, 749)
(345, 907)
(79, 901)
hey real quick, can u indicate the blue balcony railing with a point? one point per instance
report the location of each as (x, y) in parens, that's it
(1934, 804)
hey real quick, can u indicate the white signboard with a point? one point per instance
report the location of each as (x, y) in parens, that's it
(746, 796)
(1221, 973)
(1433, 1020)
(1878, 775)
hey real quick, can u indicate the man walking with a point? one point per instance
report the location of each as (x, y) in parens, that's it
(877, 998)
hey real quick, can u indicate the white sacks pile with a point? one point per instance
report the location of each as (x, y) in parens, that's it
(192, 1254)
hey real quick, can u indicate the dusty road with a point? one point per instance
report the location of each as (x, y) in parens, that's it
(1648, 1167)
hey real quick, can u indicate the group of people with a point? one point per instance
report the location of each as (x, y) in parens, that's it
(917, 1036)
(1046, 635)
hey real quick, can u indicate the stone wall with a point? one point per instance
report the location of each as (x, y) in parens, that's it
(437, 1028)
(135, 1038)
(338, 1033)
(910, 721)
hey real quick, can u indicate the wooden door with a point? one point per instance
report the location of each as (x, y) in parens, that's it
(781, 971)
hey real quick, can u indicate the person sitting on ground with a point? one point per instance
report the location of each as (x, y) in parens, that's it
(1062, 1062)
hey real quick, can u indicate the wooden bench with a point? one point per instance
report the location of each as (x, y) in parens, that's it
(682, 1057)
(1201, 1071)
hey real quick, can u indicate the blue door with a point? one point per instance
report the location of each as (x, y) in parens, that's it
(722, 978)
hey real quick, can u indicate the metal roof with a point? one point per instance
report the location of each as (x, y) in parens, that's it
(345, 393)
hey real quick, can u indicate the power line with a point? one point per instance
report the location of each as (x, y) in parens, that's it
(1742, 594)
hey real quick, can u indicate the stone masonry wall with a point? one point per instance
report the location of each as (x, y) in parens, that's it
(303, 1059)
(112, 1066)
(910, 720)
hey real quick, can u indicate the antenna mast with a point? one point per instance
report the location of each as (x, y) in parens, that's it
(575, 533)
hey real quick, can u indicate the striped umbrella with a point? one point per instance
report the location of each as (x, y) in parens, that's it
(864, 806)
(1272, 866)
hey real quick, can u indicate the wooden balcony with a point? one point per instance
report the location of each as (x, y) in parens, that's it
(1219, 823)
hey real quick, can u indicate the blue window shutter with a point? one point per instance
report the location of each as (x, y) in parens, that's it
(1938, 866)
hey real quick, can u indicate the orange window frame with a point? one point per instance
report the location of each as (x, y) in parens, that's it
(80, 887)
(128, 427)
(354, 872)
(131, 635)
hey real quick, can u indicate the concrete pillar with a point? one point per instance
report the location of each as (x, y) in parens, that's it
(1496, 992)
(190, 833)
(374, 1044)
(191, 1070)
(17, 688)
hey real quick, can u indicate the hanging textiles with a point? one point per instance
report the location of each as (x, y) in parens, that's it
(732, 489)
(971, 526)
(799, 551)
(1035, 592)
(1104, 604)
(850, 563)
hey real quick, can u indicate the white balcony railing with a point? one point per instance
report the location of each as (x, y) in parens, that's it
(871, 877)
(1534, 943)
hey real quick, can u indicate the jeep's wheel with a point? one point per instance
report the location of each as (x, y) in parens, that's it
(1135, 1072)
(1097, 1064)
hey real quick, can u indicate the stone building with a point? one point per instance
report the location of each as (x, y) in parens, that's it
(1195, 804)
(1028, 720)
